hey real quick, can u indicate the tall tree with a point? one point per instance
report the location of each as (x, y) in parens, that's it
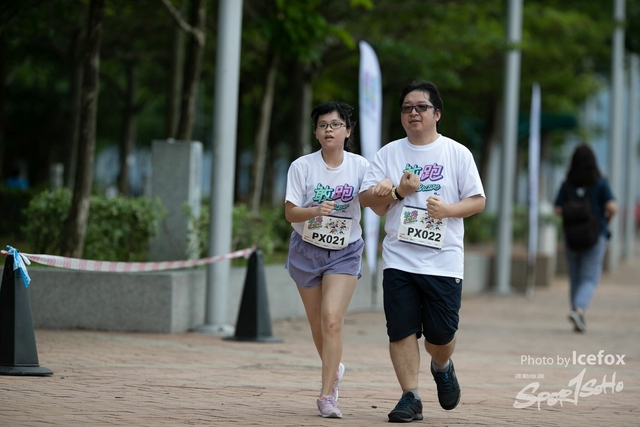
(422, 41)
(296, 30)
(75, 61)
(3, 78)
(75, 226)
(196, 28)
(7, 15)
(128, 134)
(262, 135)
(174, 87)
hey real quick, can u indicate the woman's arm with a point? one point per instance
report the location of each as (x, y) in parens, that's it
(295, 213)
(610, 209)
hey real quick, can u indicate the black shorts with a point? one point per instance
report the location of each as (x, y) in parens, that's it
(422, 305)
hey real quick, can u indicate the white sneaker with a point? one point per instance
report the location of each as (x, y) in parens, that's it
(328, 407)
(336, 382)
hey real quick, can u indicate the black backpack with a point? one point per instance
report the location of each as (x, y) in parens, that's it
(579, 221)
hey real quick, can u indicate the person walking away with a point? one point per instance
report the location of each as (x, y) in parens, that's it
(586, 204)
(426, 183)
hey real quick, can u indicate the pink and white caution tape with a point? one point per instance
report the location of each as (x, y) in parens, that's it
(127, 267)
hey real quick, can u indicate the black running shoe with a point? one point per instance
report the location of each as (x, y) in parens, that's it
(448, 387)
(408, 409)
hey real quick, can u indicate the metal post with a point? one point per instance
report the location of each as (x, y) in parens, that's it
(510, 135)
(225, 119)
(617, 124)
(534, 187)
(632, 155)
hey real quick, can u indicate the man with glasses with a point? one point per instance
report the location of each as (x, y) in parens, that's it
(428, 184)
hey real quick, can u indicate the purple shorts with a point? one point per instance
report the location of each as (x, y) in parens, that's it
(307, 263)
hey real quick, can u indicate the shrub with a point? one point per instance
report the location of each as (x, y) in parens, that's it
(269, 231)
(480, 228)
(44, 220)
(119, 229)
(483, 227)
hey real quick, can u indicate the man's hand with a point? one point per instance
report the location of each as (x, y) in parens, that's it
(409, 183)
(436, 207)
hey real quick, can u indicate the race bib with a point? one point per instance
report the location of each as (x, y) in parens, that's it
(417, 227)
(328, 232)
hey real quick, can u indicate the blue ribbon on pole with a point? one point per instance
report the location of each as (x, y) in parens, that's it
(19, 264)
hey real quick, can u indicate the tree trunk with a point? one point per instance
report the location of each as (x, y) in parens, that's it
(128, 136)
(75, 227)
(192, 67)
(3, 78)
(172, 108)
(75, 92)
(302, 113)
(262, 136)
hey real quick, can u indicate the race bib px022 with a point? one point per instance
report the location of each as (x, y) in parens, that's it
(418, 228)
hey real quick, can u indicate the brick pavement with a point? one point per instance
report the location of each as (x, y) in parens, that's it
(129, 379)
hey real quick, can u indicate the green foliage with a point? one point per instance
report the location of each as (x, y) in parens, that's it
(460, 45)
(259, 231)
(119, 229)
(44, 220)
(270, 231)
(198, 230)
(13, 201)
(483, 227)
(479, 228)
(300, 29)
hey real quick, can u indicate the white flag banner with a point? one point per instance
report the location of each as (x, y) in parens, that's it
(534, 172)
(370, 106)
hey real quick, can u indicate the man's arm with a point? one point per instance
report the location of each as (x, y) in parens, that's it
(380, 195)
(369, 199)
(438, 209)
(378, 204)
(376, 196)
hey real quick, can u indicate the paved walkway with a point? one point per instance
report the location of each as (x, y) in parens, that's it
(504, 344)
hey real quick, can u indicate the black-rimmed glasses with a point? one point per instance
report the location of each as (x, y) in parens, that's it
(334, 125)
(420, 108)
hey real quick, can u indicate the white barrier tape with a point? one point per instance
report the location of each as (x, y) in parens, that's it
(127, 267)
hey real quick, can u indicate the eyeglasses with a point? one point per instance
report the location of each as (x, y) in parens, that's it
(334, 125)
(420, 108)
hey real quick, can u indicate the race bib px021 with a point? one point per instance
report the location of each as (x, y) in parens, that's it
(328, 232)
(418, 228)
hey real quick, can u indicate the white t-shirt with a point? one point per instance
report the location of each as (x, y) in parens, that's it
(310, 181)
(446, 169)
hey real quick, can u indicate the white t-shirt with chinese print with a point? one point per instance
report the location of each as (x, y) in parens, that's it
(310, 181)
(446, 169)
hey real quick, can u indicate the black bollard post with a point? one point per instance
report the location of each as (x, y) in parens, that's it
(18, 353)
(254, 321)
